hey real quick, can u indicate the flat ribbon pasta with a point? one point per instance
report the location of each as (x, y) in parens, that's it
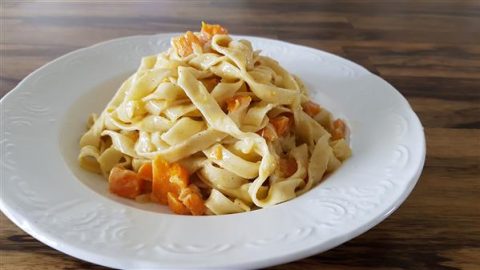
(241, 125)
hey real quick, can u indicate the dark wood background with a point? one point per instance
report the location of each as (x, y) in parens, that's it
(429, 50)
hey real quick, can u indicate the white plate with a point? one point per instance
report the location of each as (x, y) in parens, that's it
(46, 194)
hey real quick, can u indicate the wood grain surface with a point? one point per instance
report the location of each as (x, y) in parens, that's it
(429, 50)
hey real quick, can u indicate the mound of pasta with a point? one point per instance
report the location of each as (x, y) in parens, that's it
(211, 126)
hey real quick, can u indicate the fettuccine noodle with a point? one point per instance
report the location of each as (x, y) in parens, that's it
(212, 127)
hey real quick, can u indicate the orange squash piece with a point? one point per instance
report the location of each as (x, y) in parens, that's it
(339, 130)
(184, 44)
(311, 108)
(160, 185)
(281, 125)
(176, 205)
(145, 186)
(170, 182)
(178, 179)
(209, 30)
(146, 171)
(192, 199)
(124, 183)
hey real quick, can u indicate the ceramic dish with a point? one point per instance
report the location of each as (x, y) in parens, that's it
(47, 194)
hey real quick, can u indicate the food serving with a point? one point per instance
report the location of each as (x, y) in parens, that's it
(211, 126)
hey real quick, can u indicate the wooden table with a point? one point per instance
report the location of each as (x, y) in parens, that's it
(429, 50)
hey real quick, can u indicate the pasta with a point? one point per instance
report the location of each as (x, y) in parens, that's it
(211, 126)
